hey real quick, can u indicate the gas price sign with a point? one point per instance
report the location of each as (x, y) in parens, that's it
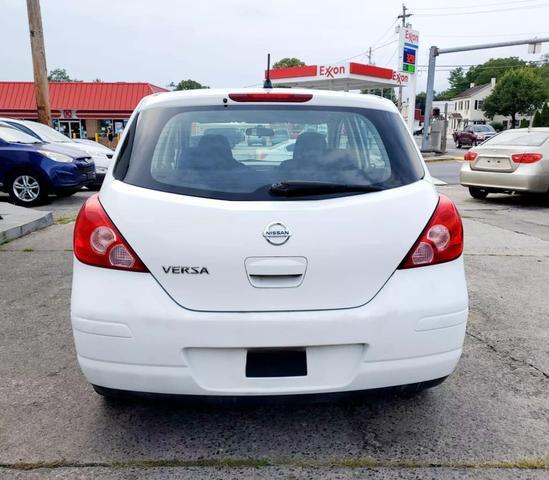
(409, 40)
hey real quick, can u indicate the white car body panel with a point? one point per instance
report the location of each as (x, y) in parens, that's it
(363, 322)
(136, 338)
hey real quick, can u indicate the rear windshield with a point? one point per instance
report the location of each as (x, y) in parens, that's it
(483, 128)
(519, 138)
(239, 152)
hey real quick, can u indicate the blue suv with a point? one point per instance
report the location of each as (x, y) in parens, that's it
(30, 170)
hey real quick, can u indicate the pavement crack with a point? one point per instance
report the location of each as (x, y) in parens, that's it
(507, 354)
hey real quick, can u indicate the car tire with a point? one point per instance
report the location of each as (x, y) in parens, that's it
(479, 193)
(413, 389)
(27, 188)
(458, 144)
(474, 143)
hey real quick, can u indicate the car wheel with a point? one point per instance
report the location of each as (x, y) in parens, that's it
(477, 192)
(474, 143)
(458, 144)
(27, 189)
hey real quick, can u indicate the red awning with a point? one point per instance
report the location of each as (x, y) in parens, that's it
(85, 99)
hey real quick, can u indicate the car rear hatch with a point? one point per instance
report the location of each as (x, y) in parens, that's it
(323, 228)
(212, 255)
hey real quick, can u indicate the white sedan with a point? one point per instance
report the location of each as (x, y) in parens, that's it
(513, 161)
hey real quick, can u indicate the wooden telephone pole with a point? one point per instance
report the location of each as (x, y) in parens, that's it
(39, 62)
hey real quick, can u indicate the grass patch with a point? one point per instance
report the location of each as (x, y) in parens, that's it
(28, 250)
(522, 463)
(65, 220)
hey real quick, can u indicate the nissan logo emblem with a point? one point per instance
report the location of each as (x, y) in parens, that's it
(276, 233)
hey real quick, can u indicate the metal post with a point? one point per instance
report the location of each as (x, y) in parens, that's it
(444, 129)
(433, 52)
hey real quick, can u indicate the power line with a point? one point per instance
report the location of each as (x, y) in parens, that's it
(488, 36)
(469, 7)
(525, 7)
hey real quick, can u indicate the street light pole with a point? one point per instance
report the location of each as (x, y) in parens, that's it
(39, 62)
(434, 52)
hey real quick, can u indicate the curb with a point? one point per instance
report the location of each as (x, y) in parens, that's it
(19, 221)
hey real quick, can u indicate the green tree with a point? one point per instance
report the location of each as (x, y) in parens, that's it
(458, 83)
(289, 62)
(59, 75)
(189, 85)
(520, 91)
(541, 118)
(493, 68)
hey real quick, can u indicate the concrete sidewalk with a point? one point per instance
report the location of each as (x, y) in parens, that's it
(18, 221)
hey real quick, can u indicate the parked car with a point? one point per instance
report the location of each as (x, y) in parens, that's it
(338, 269)
(95, 145)
(31, 169)
(102, 156)
(513, 161)
(473, 135)
(233, 134)
(279, 153)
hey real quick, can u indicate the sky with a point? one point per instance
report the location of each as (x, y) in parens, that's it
(224, 43)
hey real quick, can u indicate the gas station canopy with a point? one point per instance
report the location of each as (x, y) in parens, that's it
(343, 76)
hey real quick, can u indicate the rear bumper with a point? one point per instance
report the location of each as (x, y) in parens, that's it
(526, 178)
(138, 339)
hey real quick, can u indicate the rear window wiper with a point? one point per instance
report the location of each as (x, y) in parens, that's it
(296, 188)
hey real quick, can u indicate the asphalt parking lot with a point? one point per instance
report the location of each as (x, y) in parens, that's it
(489, 420)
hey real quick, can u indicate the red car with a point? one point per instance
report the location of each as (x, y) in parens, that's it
(472, 135)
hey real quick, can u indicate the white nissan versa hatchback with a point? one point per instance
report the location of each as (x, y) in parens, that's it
(338, 268)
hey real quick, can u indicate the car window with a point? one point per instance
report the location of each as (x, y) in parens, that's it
(12, 135)
(519, 138)
(179, 150)
(48, 134)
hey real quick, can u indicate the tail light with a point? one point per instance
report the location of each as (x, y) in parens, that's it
(271, 97)
(440, 241)
(98, 242)
(470, 156)
(526, 157)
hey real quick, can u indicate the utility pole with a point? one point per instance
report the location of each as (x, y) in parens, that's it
(39, 62)
(370, 56)
(404, 16)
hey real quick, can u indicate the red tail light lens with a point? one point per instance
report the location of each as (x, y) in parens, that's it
(271, 97)
(526, 157)
(441, 240)
(470, 156)
(98, 242)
